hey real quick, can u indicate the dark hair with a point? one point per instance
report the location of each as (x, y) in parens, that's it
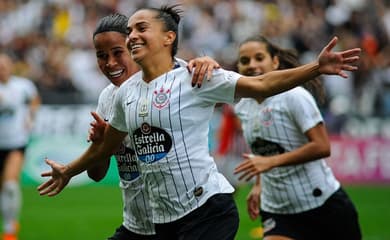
(112, 23)
(170, 16)
(288, 58)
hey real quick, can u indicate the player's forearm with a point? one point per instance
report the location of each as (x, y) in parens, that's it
(283, 80)
(306, 153)
(275, 82)
(93, 156)
(97, 153)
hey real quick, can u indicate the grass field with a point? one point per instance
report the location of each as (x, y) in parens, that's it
(93, 212)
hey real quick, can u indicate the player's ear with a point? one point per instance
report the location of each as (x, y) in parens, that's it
(169, 38)
(275, 62)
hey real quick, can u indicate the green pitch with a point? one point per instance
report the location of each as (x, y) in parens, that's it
(93, 212)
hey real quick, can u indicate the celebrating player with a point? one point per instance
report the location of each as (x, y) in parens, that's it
(168, 122)
(300, 196)
(19, 100)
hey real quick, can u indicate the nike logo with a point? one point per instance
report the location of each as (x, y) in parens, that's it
(130, 102)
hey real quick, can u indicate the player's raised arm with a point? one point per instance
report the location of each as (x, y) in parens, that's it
(96, 135)
(271, 83)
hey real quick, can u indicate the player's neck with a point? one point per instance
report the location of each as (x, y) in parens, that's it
(155, 67)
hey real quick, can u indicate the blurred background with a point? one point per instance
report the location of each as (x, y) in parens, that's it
(51, 44)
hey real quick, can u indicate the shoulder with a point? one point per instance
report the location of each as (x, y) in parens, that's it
(21, 81)
(297, 92)
(24, 85)
(298, 98)
(133, 80)
(181, 62)
(222, 71)
(108, 90)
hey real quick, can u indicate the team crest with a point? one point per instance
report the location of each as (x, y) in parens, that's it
(266, 117)
(161, 98)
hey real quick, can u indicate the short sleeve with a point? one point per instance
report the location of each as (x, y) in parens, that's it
(99, 108)
(220, 88)
(118, 119)
(30, 89)
(304, 109)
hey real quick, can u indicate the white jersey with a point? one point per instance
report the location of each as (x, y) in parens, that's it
(15, 96)
(136, 213)
(275, 126)
(168, 120)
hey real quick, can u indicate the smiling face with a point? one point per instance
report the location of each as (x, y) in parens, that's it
(254, 59)
(148, 38)
(113, 57)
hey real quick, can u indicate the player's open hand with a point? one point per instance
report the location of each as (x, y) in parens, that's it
(96, 132)
(252, 166)
(335, 63)
(201, 67)
(58, 179)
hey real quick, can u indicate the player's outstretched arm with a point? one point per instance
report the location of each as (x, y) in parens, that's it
(272, 83)
(60, 175)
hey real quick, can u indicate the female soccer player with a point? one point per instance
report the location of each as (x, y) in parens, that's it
(19, 100)
(115, 62)
(167, 121)
(300, 196)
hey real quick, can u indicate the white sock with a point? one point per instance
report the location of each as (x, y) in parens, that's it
(10, 205)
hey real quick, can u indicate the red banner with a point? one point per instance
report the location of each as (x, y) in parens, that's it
(360, 160)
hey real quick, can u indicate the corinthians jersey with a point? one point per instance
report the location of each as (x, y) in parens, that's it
(275, 126)
(15, 96)
(136, 214)
(168, 121)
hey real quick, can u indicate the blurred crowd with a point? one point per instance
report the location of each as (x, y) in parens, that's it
(51, 42)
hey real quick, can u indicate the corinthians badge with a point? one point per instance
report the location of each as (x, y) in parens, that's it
(161, 98)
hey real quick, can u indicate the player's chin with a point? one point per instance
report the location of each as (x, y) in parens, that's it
(136, 55)
(137, 58)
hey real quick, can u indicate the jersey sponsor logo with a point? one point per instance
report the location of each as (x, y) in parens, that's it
(266, 117)
(151, 143)
(127, 163)
(266, 148)
(161, 98)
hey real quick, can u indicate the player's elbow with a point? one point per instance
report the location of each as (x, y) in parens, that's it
(324, 151)
(95, 176)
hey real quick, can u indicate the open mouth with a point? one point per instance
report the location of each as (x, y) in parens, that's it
(115, 74)
(252, 73)
(135, 46)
